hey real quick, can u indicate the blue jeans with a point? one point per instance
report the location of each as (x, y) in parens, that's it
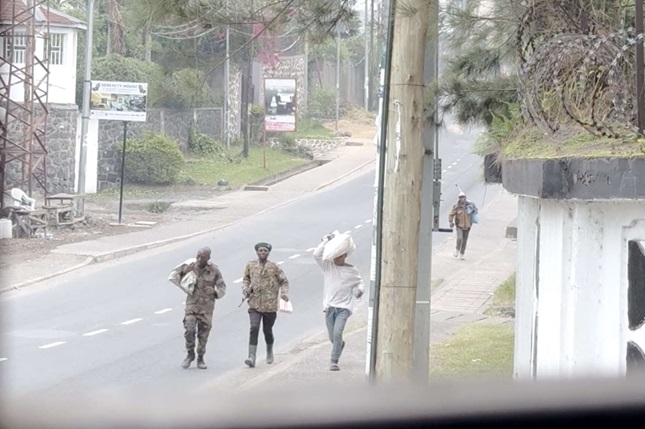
(336, 319)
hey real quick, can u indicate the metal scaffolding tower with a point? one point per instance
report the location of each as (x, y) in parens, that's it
(24, 81)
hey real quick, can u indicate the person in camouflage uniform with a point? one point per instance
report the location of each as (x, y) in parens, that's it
(198, 317)
(263, 283)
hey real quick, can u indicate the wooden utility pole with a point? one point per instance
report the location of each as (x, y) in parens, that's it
(402, 193)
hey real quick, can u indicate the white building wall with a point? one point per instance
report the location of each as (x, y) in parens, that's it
(62, 77)
(525, 295)
(581, 288)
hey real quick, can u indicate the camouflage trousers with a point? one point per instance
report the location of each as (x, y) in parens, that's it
(197, 325)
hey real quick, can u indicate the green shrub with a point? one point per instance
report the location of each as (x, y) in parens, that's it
(322, 103)
(203, 145)
(256, 119)
(153, 160)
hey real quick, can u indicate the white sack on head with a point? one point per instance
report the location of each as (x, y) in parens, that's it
(339, 245)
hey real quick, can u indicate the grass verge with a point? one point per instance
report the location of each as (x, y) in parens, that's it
(206, 172)
(503, 301)
(210, 171)
(476, 349)
(530, 143)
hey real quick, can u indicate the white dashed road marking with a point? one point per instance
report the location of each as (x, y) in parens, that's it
(165, 310)
(294, 256)
(50, 345)
(3, 359)
(368, 221)
(98, 331)
(311, 249)
(238, 280)
(131, 321)
(280, 262)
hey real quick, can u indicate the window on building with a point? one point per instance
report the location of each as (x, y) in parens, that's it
(636, 306)
(636, 288)
(15, 49)
(56, 41)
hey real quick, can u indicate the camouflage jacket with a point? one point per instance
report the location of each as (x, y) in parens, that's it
(266, 283)
(210, 286)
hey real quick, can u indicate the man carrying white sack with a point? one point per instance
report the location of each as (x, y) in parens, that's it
(343, 287)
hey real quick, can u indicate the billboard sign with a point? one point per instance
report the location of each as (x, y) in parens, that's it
(280, 105)
(118, 101)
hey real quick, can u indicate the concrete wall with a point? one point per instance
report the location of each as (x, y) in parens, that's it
(108, 139)
(572, 287)
(62, 123)
(60, 142)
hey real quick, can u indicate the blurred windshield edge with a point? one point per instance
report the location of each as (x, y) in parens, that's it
(332, 405)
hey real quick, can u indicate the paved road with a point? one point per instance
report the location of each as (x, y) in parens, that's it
(118, 325)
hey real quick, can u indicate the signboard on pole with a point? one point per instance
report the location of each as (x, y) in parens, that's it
(118, 101)
(280, 105)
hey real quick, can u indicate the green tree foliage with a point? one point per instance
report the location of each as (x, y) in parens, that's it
(479, 79)
(181, 89)
(119, 68)
(185, 88)
(178, 46)
(487, 42)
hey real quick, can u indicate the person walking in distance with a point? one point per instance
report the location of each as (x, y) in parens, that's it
(198, 317)
(342, 287)
(460, 217)
(263, 284)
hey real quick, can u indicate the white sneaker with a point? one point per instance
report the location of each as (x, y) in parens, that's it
(456, 253)
(461, 256)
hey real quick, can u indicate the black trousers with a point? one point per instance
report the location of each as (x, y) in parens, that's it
(267, 320)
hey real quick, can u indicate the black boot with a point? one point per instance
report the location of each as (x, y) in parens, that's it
(200, 362)
(269, 354)
(251, 360)
(189, 359)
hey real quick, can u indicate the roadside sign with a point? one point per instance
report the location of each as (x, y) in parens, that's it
(279, 105)
(118, 101)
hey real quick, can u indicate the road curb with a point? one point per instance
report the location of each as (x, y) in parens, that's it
(88, 261)
(338, 179)
(108, 256)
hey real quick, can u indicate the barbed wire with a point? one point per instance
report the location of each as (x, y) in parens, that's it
(587, 79)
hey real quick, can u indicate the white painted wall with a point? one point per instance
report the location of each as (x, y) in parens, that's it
(526, 292)
(575, 285)
(62, 78)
